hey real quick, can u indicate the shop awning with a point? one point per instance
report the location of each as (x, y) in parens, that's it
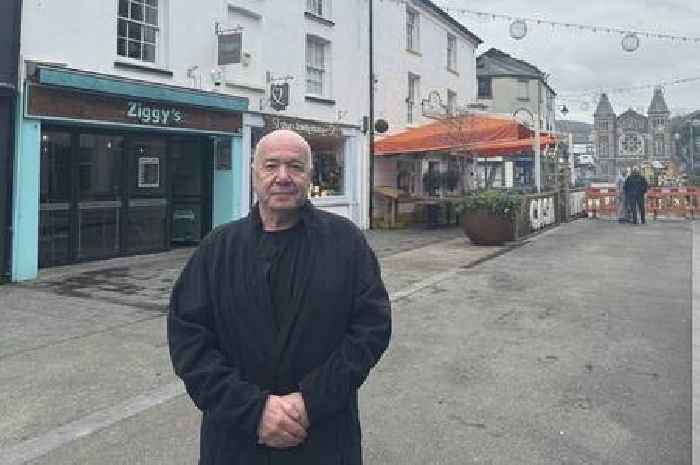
(485, 135)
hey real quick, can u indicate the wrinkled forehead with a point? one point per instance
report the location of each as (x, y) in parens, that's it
(285, 149)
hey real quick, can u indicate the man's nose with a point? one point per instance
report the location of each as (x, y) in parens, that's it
(283, 173)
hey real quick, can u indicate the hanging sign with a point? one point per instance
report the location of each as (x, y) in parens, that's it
(279, 96)
(230, 46)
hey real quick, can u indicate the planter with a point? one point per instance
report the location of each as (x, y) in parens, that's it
(486, 228)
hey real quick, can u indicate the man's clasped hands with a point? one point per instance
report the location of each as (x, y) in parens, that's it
(284, 421)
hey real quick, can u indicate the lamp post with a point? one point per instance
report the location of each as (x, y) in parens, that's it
(371, 114)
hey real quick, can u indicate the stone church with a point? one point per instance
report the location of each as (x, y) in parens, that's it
(631, 138)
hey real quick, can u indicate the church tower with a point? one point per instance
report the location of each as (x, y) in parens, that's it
(659, 137)
(604, 120)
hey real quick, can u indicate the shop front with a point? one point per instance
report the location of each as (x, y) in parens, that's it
(136, 168)
(335, 183)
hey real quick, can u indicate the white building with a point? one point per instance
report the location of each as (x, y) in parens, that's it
(424, 64)
(132, 136)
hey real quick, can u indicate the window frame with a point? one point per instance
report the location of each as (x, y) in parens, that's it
(323, 70)
(489, 81)
(452, 52)
(412, 37)
(523, 85)
(325, 8)
(412, 95)
(158, 27)
(451, 102)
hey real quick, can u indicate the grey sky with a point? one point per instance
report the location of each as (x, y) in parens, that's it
(581, 61)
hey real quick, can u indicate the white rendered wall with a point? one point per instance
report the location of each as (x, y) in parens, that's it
(393, 62)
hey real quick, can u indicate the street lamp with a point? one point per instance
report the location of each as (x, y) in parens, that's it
(371, 113)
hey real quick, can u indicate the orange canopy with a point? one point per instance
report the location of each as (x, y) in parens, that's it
(485, 135)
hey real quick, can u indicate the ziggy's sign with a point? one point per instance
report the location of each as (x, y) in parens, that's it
(148, 114)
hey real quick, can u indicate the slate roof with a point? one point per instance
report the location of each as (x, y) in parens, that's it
(495, 62)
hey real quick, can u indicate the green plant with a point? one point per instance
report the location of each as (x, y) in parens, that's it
(504, 203)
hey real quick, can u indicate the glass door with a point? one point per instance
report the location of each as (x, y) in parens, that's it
(190, 208)
(100, 180)
(146, 218)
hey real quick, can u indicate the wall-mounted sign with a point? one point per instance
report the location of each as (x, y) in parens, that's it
(51, 103)
(230, 46)
(149, 172)
(304, 127)
(279, 96)
(223, 153)
(156, 115)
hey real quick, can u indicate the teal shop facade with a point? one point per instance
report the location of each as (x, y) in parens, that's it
(106, 166)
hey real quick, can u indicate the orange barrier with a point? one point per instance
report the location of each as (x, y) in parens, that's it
(601, 202)
(660, 201)
(672, 201)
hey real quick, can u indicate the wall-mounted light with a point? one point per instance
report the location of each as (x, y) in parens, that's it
(217, 76)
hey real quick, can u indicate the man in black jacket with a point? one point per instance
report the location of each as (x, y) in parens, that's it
(635, 188)
(276, 321)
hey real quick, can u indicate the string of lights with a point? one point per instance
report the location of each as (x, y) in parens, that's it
(577, 26)
(628, 89)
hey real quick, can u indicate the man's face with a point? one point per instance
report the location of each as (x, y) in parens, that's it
(281, 174)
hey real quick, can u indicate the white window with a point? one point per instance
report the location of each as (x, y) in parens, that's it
(413, 96)
(451, 52)
(523, 89)
(321, 8)
(138, 30)
(317, 58)
(412, 29)
(451, 102)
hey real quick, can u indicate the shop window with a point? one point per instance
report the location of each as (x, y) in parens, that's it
(328, 177)
(407, 173)
(54, 214)
(99, 166)
(55, 166)
(138, 30)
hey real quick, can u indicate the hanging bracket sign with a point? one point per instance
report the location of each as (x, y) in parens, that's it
(279, 96)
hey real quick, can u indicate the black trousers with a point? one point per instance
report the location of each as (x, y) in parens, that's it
(635, 202)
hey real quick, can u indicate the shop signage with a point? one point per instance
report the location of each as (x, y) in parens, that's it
(149, 114)
(230, 48)
(279, 96)
(308, 128)
(51, 103)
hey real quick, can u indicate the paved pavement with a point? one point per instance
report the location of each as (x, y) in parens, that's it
(573, 348)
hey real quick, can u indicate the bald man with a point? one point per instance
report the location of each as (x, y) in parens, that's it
(276, 321)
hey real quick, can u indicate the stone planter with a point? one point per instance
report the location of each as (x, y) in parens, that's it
(486, 228)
